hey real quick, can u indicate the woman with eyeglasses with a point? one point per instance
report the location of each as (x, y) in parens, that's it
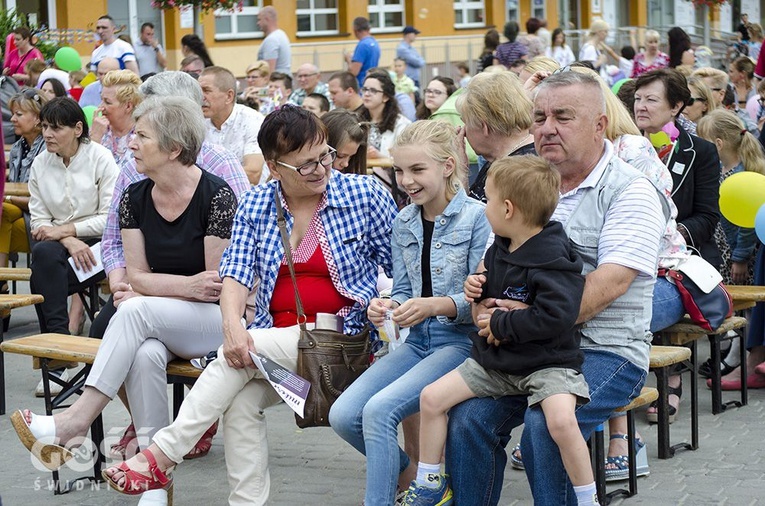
(16, 60)
(438, 90)
(14, 225)
(660, 97)
(175, 225)
(381, 110)
(340, 232)
(257, 74)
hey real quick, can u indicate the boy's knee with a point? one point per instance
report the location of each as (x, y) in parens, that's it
(562, 425)
(429, 401)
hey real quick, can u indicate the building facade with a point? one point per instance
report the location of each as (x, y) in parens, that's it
(320, 30)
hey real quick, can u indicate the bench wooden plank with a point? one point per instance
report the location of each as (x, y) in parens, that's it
(686, 326)
(15, 273)
(663, 356)
(77, 349)
(12, 300)
(647, 396)
(746, 293)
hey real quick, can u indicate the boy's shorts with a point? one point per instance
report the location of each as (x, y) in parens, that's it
(538, 385)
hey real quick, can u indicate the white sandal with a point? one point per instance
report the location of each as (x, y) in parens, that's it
(39, 438)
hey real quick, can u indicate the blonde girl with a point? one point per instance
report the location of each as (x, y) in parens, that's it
(437, 241)
(739, 151)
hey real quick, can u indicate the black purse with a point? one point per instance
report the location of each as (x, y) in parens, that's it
(328, 359)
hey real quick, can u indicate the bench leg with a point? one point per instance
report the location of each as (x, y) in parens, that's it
(714, 358)
(599, 463)
(2, 376)
(695, 396)
(662, 384)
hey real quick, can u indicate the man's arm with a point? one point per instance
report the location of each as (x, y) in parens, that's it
(132, 65)
(603, 286)
(161, 59)
(253, 167)
(354, 67)
(410, 56)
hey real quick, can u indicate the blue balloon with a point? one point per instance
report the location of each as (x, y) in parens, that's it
(759, 223)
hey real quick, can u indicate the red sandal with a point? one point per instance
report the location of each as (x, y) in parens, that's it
(128, 441)
(204, 444)
(137, 483)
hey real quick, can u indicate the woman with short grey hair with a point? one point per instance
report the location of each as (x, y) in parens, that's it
(175, 226)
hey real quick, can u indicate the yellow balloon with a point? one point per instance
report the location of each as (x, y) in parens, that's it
(660, 139)
(741, 196)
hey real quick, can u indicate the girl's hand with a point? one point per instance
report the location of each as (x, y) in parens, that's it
(377, 309)
(413, 311)
(738, 273)
(473, 286)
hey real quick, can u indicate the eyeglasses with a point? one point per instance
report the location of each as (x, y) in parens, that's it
(693, 100)
(307, 168)
(430, 91)
(303, 76)
(30, 94)
(371, 91)
(561, 70)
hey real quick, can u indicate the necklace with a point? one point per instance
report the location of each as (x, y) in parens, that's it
(523, 142)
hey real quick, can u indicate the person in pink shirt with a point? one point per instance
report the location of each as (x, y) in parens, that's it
(18, 58)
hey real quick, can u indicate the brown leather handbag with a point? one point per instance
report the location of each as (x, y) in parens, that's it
(328, 359)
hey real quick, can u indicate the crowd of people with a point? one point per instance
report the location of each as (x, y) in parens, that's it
(520, 231)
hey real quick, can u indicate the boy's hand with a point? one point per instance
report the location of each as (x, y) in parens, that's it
(412, 312)
(484, 329)
(473, 286)
(377, 309)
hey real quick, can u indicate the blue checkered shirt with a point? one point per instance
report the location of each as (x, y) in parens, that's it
(357, 219)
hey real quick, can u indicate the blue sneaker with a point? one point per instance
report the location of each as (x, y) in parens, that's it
(426, 496)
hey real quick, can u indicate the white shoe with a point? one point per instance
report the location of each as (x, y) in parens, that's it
(55, 388)
(153, 498)
(39, 437)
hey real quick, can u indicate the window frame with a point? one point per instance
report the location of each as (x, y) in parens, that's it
(380, 8)
(249, 10)
(312, 12)
(466, 6)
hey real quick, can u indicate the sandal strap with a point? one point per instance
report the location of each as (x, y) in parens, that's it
(159, 475)
(618, 436)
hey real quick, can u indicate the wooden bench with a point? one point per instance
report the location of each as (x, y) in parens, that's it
(7, 303)
(646, 397)
(661, 360)
(687, 333)
(50, 351)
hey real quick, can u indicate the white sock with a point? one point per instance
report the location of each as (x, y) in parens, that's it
(428, 474)
(732, 358)
(586, 495)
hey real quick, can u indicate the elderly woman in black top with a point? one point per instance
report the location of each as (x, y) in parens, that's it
(175, 226)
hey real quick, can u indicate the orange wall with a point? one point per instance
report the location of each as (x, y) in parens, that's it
(75, 15)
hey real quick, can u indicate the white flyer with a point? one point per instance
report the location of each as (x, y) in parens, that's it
(98, 268)
(290, 387)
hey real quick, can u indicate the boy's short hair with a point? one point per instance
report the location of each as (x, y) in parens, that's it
(628, 52)
(323, 101)
(530, 183)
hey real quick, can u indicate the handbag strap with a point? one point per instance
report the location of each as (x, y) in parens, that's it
(288, 254)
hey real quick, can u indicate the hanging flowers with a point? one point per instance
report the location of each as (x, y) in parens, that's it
(204, 5)
(708, 3)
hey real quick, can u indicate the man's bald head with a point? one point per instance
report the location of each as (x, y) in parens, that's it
(105, 66)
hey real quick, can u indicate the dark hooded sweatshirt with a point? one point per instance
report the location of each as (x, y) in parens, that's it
(546, 274)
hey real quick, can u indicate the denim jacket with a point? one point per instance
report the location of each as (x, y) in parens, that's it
(459, 241)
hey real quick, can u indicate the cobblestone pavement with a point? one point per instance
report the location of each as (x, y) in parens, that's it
(314, 466)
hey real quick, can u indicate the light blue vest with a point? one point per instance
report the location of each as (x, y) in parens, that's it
(622, 327)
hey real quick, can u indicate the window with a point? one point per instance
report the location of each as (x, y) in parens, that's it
(538, 9)
(317, 17)
(386, 15)
(469, 14)
(239, 24)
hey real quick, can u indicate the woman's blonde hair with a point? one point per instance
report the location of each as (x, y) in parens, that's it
(541, 62)
(726, 126)
(597, 26)
(264, 70)
(439, 140)
(698, 85)
(127, 83)
(498, 101)
(651, 35)
(620, 120)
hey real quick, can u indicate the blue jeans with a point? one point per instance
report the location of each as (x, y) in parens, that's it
(480, 428)
(367, 414)
(756, 327)
(667, 305)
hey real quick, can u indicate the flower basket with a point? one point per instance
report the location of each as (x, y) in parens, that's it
(708, 3)
(204, 5)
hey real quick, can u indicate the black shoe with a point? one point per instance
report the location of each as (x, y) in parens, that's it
(705, 369)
